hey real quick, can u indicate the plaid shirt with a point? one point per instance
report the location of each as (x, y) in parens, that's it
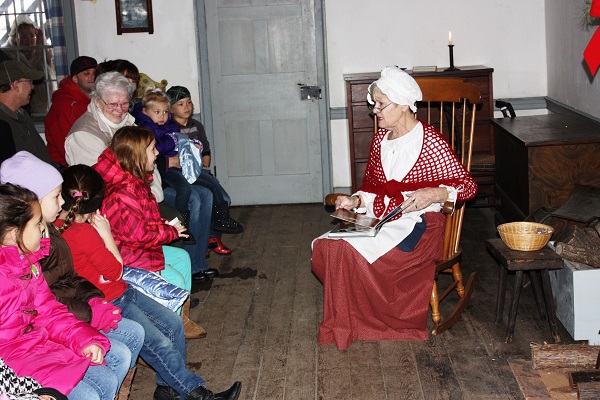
(135, 220)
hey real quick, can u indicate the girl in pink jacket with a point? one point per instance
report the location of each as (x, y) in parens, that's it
(38, 336)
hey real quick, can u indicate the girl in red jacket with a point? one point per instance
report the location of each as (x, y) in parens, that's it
(38, 336)
(140, 233)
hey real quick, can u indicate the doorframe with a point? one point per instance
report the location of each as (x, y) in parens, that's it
(204, 89)
(322, 78)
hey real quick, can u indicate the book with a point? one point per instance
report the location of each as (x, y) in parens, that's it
(347, 229)
(355, 224)
(424, 68)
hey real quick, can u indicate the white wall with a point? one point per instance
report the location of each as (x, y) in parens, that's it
(365, 36)
(362, 36)
(170, 53)
(569, 80)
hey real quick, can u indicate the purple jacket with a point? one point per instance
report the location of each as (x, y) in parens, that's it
(39, 337)
(166, 142)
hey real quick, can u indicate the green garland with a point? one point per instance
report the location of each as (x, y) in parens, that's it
(586, 18)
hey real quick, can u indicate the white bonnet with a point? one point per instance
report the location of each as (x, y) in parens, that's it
(20, 20)
(398, 86)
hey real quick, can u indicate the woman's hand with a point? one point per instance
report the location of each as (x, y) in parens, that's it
(95, 352)
(100, 222)
(347, 202)
(423, 198)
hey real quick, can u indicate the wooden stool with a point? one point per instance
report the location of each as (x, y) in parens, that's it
(525, 261)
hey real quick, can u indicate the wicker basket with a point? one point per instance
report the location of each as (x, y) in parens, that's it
(525, 236)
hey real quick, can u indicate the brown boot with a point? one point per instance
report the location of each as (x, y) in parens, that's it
(191, 329)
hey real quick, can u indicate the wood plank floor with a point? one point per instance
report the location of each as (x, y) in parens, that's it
(263, 313)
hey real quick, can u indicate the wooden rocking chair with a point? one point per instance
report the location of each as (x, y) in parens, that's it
(449, 105)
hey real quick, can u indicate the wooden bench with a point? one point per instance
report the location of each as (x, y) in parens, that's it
(525, 261)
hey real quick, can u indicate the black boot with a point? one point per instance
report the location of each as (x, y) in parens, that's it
(230, 394)
(222, 221)
(202, 393)
(186, 222)
(165, 393)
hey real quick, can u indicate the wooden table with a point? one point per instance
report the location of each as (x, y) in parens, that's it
(540, 158)
(525, 261)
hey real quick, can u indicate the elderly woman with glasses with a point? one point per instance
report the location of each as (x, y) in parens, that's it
(378, 288)
(107, 112)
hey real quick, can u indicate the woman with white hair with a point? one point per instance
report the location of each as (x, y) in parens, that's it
(378, 288)
(107, 112)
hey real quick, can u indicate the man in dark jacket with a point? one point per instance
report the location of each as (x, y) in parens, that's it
(69, 103)
(18, 131)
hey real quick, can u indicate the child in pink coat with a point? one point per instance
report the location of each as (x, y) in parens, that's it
(38, 336)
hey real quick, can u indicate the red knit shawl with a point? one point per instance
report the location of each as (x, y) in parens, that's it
(436, 165)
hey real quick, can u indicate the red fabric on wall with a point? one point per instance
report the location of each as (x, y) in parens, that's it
(591, 54)
(595, 9)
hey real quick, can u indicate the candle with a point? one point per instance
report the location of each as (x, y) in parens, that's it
(449, 38)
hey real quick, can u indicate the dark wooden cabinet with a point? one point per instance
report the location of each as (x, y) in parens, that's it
(361, 125)
(539, 159)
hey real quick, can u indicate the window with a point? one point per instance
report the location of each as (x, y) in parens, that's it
(25, 35)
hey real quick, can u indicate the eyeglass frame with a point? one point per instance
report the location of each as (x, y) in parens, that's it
(379, 109)
(114, 106)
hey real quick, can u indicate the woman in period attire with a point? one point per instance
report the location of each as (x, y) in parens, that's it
(378, 288)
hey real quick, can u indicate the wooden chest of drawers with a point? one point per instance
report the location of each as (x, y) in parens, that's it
(360, 120)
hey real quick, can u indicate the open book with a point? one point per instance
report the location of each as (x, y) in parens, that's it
(354, 224)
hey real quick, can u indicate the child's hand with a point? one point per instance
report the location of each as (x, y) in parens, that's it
(100, 222)
(180, 229)
(174, 161)
(95, 352)
(175, 223)
(105, 315)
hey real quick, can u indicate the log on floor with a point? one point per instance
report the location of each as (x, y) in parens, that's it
(588, 391)
(563, 356)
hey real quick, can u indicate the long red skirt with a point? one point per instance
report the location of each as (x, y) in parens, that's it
(386, 300)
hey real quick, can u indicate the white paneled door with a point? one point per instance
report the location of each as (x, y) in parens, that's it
(267, 141)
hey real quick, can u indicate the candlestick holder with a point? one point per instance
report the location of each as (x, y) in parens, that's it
(451, 52)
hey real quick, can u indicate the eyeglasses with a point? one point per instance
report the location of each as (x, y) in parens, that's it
(379, 109)
(114, 106)
(25, 80)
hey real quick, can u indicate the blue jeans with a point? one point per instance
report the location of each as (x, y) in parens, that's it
(200, 205)
(103, 382)
(164, 346)
(210, 182)
(131, 334)
(183, 189)
(99, 381)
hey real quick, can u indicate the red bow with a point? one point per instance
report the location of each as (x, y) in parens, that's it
(591, 54)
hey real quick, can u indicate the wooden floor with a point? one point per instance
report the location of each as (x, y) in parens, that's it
(263, 313)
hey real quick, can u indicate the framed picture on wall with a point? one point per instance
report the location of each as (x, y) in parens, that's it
(134, 16)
